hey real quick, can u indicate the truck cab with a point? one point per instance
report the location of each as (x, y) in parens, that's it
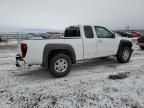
(98, 41)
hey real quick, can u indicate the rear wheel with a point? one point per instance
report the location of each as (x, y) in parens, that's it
(124, 54)
(60, 65)
(142, 47)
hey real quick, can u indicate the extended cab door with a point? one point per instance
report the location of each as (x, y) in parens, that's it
(106, 42)
(89, 43)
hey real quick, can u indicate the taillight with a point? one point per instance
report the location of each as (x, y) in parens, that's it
(23, 49)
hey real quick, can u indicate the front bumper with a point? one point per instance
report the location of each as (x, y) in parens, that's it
(19, 61)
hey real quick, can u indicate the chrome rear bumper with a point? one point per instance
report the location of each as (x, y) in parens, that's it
(19, 59)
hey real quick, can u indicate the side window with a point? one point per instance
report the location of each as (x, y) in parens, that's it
(102, 32)
(88, 32)
(72, 32)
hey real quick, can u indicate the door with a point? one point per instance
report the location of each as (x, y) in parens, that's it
(89, 43)
(106, 42)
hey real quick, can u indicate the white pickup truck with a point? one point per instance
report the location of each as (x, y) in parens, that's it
(81, 42)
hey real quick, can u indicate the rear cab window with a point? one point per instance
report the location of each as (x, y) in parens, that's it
(72, 31)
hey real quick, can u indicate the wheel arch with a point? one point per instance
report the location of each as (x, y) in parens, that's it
(124, 43)
(51, 50)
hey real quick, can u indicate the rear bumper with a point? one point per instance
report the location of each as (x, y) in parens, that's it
(19, 61)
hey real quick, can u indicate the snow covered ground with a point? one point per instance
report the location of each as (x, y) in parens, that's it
(86, 86)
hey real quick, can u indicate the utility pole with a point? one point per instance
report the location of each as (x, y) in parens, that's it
(127, 28)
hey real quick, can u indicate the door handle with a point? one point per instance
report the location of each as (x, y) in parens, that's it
(100, 41)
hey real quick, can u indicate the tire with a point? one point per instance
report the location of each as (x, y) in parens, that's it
(60, 65)
(124, 54)
(103, 58)
(141, 47)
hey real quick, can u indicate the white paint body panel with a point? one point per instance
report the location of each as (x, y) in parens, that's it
(107, 46)
(36, 47)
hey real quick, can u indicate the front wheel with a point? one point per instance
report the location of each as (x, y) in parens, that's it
(60, 65)
(124, 55)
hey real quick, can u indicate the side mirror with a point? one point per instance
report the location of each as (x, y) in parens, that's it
(114, 35)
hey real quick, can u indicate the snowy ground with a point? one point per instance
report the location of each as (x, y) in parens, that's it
(86, 86)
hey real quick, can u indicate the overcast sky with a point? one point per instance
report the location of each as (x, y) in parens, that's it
(57, 14)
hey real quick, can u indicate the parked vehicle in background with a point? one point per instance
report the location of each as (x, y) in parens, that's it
(129, 34)
(124, 34)
(132, 35)
(140, 42)
(80, 42)
(0, 38)
(135, 34)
